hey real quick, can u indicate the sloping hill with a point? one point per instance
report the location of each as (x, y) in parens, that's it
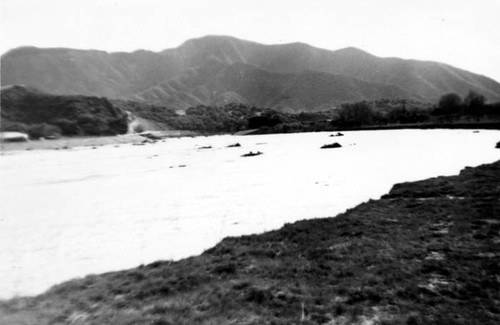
(194, 73)
(216, 83)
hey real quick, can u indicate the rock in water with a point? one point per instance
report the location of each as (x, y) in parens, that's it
(331, 146)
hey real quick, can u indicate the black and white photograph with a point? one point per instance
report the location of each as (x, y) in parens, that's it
(237, 162)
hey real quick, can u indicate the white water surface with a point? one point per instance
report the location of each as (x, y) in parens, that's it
(66, 214)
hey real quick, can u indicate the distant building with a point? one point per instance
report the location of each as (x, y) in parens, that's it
(13, 137)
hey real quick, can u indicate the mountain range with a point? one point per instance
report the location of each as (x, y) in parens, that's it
(216, 70)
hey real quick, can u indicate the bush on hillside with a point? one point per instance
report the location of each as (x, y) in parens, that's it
(42, 130)
(8, 126)
(68, 127)
(118, 125)
(98, 125)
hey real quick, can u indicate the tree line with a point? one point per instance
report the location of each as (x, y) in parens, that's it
(384, 112)
(97, 116)
(450, 108)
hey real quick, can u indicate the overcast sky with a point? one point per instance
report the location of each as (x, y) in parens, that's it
(463, 33)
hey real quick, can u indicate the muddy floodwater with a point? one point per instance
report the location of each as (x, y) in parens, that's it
(69, 213)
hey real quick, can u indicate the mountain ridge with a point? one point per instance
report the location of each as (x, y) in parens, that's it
(154, 77)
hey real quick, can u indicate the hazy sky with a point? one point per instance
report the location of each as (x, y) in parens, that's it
(463, 33)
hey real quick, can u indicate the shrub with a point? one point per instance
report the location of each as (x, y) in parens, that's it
(118, 125)
(86, 118)
(356, 114)
(14, 127)
(93, 125)
(450, 104)
(264, 120)
(139, 128)
(474, 104)
(68, 127)
(37, 131)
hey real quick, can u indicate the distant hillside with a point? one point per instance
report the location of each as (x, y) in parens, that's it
(216, 70)
(41, 114)
(242, 83)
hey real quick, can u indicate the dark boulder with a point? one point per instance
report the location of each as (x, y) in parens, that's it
(251, 154)
(331, 146)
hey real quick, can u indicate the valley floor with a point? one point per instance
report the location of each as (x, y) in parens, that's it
(426, 253)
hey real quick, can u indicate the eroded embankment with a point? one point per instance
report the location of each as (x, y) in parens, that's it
(426, 253)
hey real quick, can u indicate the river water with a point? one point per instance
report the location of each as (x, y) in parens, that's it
(66, 214)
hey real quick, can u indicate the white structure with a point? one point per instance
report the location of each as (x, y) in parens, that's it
(13, 136)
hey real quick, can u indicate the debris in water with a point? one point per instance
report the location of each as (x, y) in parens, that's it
(332, 145)
(251, 154)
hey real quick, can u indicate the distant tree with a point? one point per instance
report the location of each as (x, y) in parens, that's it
(492, 109)
(68, 127)
(93, 125)
(37, 131)
(118, 125)
(268, 120)
(474, 104)
(450, 104)
(356, 114)
(86, 118)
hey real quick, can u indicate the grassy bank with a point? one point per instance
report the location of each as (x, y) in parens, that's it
(426, 253)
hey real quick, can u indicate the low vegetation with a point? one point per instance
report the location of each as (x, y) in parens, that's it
(426, 253)
(450, 110)
(41, 115)
(384, 113)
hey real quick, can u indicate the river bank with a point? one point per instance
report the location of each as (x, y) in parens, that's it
(427, 126)
(64, 143)
(426, 253)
